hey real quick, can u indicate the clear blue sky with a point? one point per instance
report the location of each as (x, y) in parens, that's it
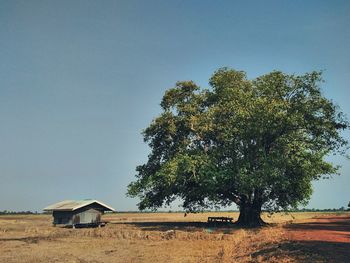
(79, 80)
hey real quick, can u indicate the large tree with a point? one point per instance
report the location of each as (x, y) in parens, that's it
(256, 143)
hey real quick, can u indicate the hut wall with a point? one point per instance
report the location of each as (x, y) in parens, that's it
(62, 217)
(90, 216)
(85, 215)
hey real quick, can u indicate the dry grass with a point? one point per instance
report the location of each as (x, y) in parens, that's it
(144, 237)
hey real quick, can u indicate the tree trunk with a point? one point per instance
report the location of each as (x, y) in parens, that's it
(249, 214)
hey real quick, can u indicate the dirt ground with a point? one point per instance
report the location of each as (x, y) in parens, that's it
(171, 237)
(327, 236)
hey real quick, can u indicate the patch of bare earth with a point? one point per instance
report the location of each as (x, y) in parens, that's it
(326, 237)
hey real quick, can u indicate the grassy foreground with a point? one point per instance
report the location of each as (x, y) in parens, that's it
(148, 237)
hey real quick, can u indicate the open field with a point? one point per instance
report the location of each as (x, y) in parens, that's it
(171, 237)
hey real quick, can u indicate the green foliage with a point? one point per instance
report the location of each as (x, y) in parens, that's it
(260, 141)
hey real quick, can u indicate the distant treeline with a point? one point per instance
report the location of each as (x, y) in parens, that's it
(341, 209)
(5, 212)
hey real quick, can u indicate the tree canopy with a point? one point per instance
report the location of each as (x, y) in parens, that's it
(256, 143)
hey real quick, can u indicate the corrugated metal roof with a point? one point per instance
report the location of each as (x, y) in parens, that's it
(71, 205)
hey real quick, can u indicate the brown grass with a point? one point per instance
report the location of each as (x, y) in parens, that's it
(146, 237)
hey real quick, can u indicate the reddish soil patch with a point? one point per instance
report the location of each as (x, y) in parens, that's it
(331, 229)
(328, 238)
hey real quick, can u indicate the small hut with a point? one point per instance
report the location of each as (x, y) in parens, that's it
(78, 213)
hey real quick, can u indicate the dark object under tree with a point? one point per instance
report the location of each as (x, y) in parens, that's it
(256, 143)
